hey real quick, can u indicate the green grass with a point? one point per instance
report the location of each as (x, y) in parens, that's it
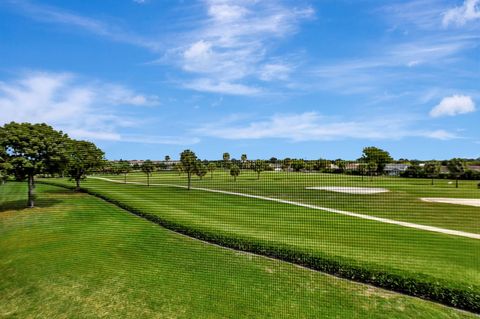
(401, 203)
(366, 244)
(75, 256)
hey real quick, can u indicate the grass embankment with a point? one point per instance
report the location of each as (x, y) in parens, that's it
(401, 203)
(75, 256)
(440, 267)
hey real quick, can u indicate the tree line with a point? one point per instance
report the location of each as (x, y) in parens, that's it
(28, 150)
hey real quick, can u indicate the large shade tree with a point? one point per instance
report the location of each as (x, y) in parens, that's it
(376, 155)
(32, 149)
(83, 158)
(4, 169)
(189, 164)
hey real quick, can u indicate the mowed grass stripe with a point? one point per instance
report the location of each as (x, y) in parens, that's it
(401, 203)
(76, 256)
(330, 210)
(251, 224)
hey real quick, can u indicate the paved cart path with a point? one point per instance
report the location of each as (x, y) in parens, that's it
(331, 210)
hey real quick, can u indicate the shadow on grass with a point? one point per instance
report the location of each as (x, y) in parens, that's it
(22, 204)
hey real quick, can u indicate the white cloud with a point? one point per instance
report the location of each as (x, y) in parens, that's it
(83, 109)
(459, 16)
(275, 71)
(441, 135)
(207, 85)
(232, 43)
(226, 12)
(311, 126)
(392, 64)
(51, 14)
(422, 14)
(453, 105)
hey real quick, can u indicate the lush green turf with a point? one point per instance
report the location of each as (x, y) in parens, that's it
(384, 247)
(76, 256)
(401, 203)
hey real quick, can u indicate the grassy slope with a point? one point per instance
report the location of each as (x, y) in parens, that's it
(386, 247)
(77, 256)
(401, 203)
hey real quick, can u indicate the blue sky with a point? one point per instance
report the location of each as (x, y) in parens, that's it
(303, 79)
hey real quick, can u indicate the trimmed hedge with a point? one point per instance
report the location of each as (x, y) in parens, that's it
(422, 286)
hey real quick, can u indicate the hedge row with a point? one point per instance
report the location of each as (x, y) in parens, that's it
(422, 286)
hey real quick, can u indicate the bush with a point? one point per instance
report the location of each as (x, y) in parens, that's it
(418, 285)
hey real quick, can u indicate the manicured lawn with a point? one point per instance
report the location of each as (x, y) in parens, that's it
(401, 203)
(394, 249)
(75, 256)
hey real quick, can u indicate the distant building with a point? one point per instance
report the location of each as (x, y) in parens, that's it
(352, 166)
(277, 167)
(395, 169)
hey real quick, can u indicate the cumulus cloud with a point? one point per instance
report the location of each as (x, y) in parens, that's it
(467, 12)
(311, 126)
(453, 105)
(83, 109)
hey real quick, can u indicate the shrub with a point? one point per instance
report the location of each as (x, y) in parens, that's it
(418, 285)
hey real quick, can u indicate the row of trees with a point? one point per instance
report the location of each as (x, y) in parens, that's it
(190, 165)
(457, 169)
(28, 150)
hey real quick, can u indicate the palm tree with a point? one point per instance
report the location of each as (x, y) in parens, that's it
(226, 159)
(243, 158)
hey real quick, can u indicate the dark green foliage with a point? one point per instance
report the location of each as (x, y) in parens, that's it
(226, 160)
(124, 167)
(456, 167)
(377, 156)
(259, 166)
(189, 164)
(82, 158)
(211, 167)
(32, 149)
(322, 165)
(298, 165)
(432, 169)
(234, 171)
(414, 170)
(148, 168)
(200, 169)
(244, 160)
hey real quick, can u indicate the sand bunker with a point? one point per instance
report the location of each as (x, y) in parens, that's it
(352, 190)
(457, 201)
